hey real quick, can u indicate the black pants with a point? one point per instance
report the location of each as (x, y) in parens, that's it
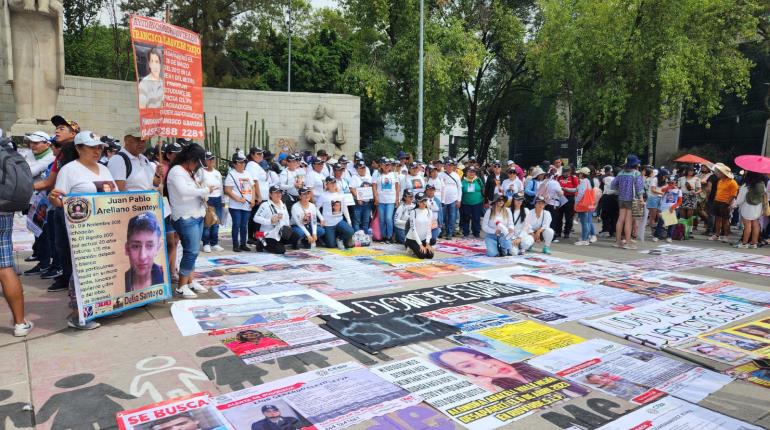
(610, 210)
(415, 247)
(253, 227)
(565, 214)
(62, 246)
(278, 246)
(553, 210)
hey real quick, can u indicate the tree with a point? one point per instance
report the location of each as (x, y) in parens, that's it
(624, 65)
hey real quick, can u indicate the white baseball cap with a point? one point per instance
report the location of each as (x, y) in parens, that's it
(87, 138)
(38, 136)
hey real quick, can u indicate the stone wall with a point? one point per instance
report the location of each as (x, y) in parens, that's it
(108, 106)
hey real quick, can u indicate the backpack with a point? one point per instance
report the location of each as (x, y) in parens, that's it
(678, 232)
(15, 181)
(127, 162)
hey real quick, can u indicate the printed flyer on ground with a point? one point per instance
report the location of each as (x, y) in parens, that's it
(118, 246)
(332, 398)
(530, 336)
(751, 338)
(169, 78)
(195, 411)
(675, 414)
(512, 391)
(630, 373)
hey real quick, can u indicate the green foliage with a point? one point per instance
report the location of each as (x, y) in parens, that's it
(100, 52)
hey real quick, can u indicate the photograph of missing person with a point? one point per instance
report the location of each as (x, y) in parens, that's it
(149, 64)
(196, 419)
(143, 242)
(755, 331)
(250, 341)
(105, 186)
(613, 384)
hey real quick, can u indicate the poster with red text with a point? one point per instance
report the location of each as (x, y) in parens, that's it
(195, 411)
(169, 79)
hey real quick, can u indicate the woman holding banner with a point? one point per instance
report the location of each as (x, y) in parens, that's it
(84, 175)
(188, 207)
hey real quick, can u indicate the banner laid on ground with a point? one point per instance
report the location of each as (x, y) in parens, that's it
(267, 341)
(466, 317)
(749, 267)
(674, 320)
(428, 299)
(530, 336)
(751, 338)
(169, 78)
(332, 398)
(751, 372)
(199, 316)
(195, 411)
(246, 289)
(630, 373)
(712, 352)
(549, 308)
(479, 402)
(739, 294)
(118, 246)
(675, 414)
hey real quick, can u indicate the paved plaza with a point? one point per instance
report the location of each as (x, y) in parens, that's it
(81, 379)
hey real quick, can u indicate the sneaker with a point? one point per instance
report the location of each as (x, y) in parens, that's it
(217, 248)
(236, 249)
(246, 248)
(35, 270)
(23, 329)
(206, 248)
(629, 246)
(198, 288)
(546, 250)
(58, 286)
(555, 241)
(714, 237)
(340, 244)
(593, 239)
(31, 258)
(186, 292)
(655, 239)
(617, 245)
(73, 322)
(668, 239)
(51, 273)
(753, 246)
(723, 239)
(582, 243)
(566, 236)
(742, 245)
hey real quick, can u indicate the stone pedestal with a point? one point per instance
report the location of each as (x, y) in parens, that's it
(19, 129)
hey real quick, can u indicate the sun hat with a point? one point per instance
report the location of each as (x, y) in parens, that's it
(584, 170)
(632, 161)
(537, 171)
(725, 170)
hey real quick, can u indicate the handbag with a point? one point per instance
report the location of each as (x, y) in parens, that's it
(285, 233)
(211, 217)
(637, 206)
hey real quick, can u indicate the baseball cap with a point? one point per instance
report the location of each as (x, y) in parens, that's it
(496, 163)
(209, 156)
(291, 158)
(269, 408)
(184, 141)
(358, 155)
(402, 154)
(238, 157)
(133, 132)
(430, 187)
(342, 159)
(38, 136)
(584, 170)
(413, 165)
(407, 193)
(339, 166)
(471, 169)
(58, 120)
(321, 153)
(304, 190)
(360, 164)
(316, 160)
(450, 160)
(539, 199)
(276, 189)
(172, 147)
(256, 150)
(87, 138)
(519, 196)
(501, 197)
(420, 197)
(329, 179)
(384, 160)
(672, 178)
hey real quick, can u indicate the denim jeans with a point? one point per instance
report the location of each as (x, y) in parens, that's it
(470, 219)
(400, 235)
(343, 230)
(319, 231)
(386, 219)
(190, 231)
(211, 234)
(450, 218)
(586, 225)
(434, 234)
(493, 241)
(362, 214)
(659, 228)
(240, 226)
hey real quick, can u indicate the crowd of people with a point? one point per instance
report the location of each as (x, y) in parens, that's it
(275, 201)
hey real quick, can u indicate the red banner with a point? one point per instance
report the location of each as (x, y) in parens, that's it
(169, 79)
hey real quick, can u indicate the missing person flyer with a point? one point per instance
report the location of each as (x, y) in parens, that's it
(118, 247)
(195, 411)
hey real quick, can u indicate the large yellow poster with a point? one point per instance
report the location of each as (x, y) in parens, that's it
(532, 337)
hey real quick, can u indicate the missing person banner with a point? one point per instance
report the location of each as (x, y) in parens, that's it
(118, 246)
(630, 373)
(752, 338)
(530, 336)
(169, 78)
(195, 411)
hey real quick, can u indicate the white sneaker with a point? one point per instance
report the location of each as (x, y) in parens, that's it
(206, 248)
(582, 243)
(593, 239)
(217, 248)
(21, 330)
(723, 239)
(668, 239)
(186, 292)
(340, 244)
(198, 288)
(655, 239)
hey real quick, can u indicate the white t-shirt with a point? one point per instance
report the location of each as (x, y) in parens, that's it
(243, 186)
(315, 181)
(415, 183)
(75, 178)
(185, 196)
(451, 190)
(142, 171)
(511, 187)
(210, 179)
(386, 188)
(357, 182)
(289, 179)
(420, 227)
(333, 208)
(258, 174)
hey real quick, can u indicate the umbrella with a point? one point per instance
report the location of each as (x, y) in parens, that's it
(754, 163)
(690, 158)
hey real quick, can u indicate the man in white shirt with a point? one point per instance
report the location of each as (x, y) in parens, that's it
(130, 169)
(314, 180)
(326, 171)
(40, 155)
(291, 179)
(451, 194)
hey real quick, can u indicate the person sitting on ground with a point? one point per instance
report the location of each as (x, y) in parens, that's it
(498, 226)
(307, 220)
(274, 224)
(337, 229)
(522, 237)
(418, 238)
(402, 216)
(539, 221)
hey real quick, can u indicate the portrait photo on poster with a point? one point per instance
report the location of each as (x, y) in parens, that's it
(149, 69)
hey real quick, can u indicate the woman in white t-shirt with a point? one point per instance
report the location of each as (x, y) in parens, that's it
(522, 236)
(361, 187)
(210, 177)
(338, 231)
(511, 186)
(83, 175)
(262, 182)
(539, 221)
(306, 219)
(275, 224)
(240, 187)
(498, 226)
(187, 199)
(386, 192)
(418, 238)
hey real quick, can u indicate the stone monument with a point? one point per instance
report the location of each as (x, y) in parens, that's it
(324, 132)
(32, 59)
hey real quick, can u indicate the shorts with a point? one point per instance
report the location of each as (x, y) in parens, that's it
(169, 225)
(720, 209)
(653, 202)
(6, 242)
(625, 204)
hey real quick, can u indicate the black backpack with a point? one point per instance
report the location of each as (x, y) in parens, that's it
(15, 181)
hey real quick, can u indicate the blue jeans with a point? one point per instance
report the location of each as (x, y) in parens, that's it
(190, 231)
(659, 228)
(386, 219)
(400, 235)
(493, 241)
(470, 219)
(240, 226)
(450, 218)
(362, 214)
(342, 230)
(586, 225)
(434, 234)
(211, 234)
(319, 231)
